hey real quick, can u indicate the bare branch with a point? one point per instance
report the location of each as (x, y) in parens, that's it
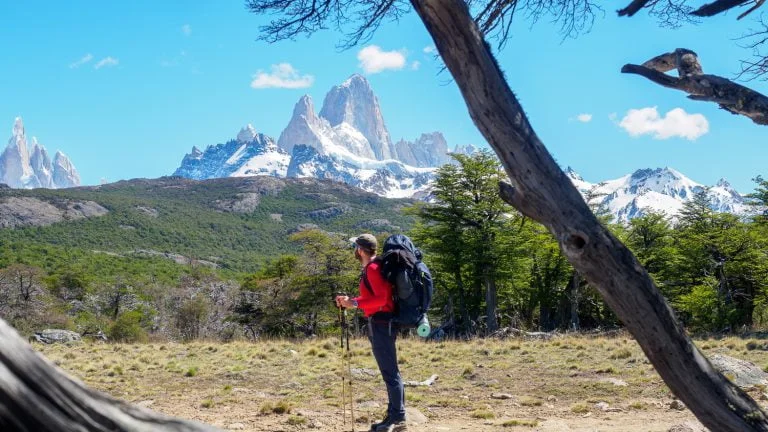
(731, 97)
(633, 7)
(757, 66)
(717, 6)
(758, 3)
(304, 17)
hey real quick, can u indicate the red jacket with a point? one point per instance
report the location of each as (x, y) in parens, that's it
(381, 298)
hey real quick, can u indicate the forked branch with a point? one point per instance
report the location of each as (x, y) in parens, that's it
(730, 96)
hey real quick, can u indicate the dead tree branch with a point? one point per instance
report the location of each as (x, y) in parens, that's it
(731, 97)
(37, 397)
(541, 191)
(717, 7)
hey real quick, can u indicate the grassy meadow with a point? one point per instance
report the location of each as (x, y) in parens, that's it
(560, 384)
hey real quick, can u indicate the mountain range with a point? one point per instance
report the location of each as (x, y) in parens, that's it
(27, 165)
(660, 190)
(348, 141)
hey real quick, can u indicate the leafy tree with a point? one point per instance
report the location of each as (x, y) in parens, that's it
(717, 251)
(472, 233)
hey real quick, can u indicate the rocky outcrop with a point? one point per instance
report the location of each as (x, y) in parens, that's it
(51, 336)
(19, 212)
(242, 203)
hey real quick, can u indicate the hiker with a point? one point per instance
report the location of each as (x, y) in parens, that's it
(377, 304)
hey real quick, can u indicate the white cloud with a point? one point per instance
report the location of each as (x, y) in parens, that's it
(374, 60)
(415, 65)
(429, 49)
(283, 75)
(675, 123)
(584, 118)
(108, 61)
(186, 29)
(83, 60)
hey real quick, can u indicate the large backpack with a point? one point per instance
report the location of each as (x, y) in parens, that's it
(412, 283)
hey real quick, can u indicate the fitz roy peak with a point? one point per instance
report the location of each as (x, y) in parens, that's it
(354, 103)
(347, 141)
(25, 168)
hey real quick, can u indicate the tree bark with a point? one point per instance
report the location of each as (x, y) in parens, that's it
(37, 397)
(732, 97)
(541, 191)
(490, 300)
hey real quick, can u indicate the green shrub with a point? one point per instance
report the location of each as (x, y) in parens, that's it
(127, 328)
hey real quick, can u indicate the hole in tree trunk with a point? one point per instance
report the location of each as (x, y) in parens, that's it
(576, 242)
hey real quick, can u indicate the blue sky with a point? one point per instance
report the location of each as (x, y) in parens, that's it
(126, 89)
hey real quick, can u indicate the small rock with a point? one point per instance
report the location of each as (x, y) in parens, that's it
(236, 426)
(676, 405)
(145, 403)
(551, 398)
(364, 373)
(501, 396)
(616, 382)
(414, 416)
(743, 373)
(293, 352)
(602, 406)
(689, 426)
(369, 404)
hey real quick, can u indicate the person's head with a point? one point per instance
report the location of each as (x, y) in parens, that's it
(365, 246)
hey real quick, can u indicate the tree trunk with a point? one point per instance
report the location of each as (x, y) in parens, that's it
(490, 300)
(574, 297)
(462, 300)
(540, 190)
(36, 397)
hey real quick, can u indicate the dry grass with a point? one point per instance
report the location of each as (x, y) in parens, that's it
(268, 380)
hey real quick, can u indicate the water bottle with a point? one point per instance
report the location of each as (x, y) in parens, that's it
(423, 328)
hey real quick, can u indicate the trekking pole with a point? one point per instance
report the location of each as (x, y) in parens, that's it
(341, 371)
(349, 375)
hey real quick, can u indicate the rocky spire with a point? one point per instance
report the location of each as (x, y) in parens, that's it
(64, 173)
(353, 102)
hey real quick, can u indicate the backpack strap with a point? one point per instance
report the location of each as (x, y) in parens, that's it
(364, 276)
(367, 284)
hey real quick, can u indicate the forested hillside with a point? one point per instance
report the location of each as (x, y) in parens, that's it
(182, 259)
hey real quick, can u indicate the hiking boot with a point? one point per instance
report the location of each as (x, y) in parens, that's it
(389, 425)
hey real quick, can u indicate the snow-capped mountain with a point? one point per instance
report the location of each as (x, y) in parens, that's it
(389, 178)
(348, 141)
(22, 167)
(661, 189)
(251, 153)
(354, 103)
(429, 150)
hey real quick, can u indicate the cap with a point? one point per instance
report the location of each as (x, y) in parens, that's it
(365, 241)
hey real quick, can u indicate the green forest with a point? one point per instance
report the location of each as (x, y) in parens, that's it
(175, 259)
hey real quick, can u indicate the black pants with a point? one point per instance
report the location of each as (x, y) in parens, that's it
(383, 337)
